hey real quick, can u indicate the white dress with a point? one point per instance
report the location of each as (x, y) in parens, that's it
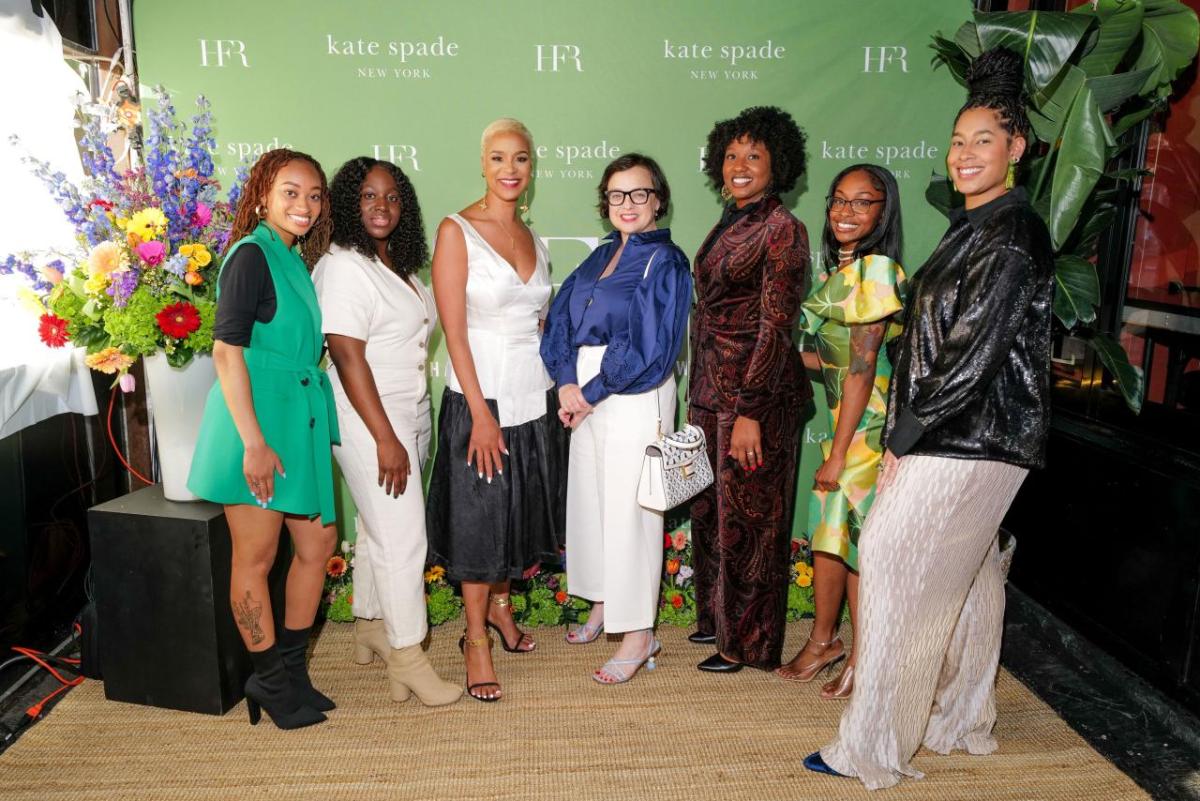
(361, 298)
(492, 531)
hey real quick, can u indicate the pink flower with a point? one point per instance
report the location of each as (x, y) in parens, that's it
(152, 252)
(679, 540)
(128, 382)
(201, 216)
(51, 275)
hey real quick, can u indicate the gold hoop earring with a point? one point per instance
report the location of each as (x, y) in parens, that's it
(726, 193)
(1010, 178)
(258, 212)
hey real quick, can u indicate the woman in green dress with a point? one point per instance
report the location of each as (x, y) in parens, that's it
(851, 311)
(264, 449)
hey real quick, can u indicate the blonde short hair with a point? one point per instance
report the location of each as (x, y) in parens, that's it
(505, 125)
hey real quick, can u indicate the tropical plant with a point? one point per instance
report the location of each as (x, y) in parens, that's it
(1091, 75)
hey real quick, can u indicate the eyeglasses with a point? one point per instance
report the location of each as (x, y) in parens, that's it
(640, 197)
(859, 205)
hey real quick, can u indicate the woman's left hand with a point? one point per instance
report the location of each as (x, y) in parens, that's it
(826, 477)
(745, 443)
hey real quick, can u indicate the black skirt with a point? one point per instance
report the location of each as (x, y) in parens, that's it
(492, 532)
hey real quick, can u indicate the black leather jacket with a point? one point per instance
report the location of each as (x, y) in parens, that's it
(972, 372)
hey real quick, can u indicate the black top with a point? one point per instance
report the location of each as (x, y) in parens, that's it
(971, 378)
(247, 294)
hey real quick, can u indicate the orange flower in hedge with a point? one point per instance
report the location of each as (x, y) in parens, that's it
(677, 601)
(434, 573)
(560, 597)
(673, 566)
(335, 567)
(193, 279)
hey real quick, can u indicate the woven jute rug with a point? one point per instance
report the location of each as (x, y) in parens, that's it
(673, 733)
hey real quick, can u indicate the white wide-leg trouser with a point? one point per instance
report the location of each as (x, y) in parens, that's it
(930, 618)
(614, 546)
(389, 553)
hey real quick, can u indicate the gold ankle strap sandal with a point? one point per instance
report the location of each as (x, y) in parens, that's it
(502, 600)
(480, 642)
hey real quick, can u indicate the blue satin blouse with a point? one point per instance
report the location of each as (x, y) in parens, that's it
(642, 320)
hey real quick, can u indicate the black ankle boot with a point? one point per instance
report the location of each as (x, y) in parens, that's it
(293, 647)
(268, 688)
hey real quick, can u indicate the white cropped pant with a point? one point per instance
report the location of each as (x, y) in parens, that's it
(614, 546)
(389, 553)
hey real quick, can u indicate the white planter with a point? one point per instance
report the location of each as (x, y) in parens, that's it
(176, 398)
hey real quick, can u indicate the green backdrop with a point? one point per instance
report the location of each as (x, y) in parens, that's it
(416, 81)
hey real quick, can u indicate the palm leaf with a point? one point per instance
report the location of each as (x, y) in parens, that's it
(1046, 39)
(1080, 163)
(1120, 25)
(1129, 379)
(1111, 91)
(1169, 39)
(1078, 290)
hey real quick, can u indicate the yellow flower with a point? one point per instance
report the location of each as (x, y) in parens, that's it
(121, 222)
(30, 300)
(109, 360)
(96, 284)
(803, 580)
(148, 223)
(104, 259)
(434, 573)
(804, 574)
(197, 254)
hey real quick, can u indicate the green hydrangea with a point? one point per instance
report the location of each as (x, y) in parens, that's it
(443, 605)
(799, 602)
(201, 340)
(340, 611)
(133, 329)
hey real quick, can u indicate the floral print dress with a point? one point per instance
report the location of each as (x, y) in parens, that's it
(869, 290)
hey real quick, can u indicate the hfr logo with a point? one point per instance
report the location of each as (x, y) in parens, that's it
(550, 57)
(877, 59)
(222, 50)
(398, 154)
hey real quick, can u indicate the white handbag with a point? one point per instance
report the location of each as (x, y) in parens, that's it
(675, 468)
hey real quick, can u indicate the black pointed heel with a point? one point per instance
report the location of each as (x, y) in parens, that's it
(255, 711)
(269, 689)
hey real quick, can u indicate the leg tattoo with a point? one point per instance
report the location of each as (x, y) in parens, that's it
(248, 615)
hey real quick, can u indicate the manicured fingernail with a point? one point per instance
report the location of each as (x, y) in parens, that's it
(283, 475)
(501, 472)
(489, 479)
(270, 499)
(481, 475)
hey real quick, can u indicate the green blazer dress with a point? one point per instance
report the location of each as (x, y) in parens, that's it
(292, 400)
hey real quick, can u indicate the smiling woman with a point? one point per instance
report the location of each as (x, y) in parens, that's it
(497, 491)
(272, 411)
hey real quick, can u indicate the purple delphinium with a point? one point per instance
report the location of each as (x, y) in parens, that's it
(239, 182)
(98, 162)
(176, 265)
(15, 266)
(162, 162)
(122, 286)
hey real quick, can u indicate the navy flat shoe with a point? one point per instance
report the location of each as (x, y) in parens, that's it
(816, 764)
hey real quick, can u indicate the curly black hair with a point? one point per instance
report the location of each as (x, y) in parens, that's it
(775, 129)
(406, 244)
(996, 81)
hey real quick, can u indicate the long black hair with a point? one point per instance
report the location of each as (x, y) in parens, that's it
(886, 239)
(406, 244)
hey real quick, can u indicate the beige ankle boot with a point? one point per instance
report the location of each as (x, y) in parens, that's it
(409, 669)
(370, 638)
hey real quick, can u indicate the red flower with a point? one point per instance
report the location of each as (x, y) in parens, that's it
(666, 540)
(560, 597)
(335, 567)
(178, 320)
(104, 204)
(795, 546)
(53, 330)
(677, 601)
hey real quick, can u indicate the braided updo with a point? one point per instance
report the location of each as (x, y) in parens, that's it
(996, 81)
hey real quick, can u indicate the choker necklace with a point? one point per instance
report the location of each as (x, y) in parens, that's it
(844, 255)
